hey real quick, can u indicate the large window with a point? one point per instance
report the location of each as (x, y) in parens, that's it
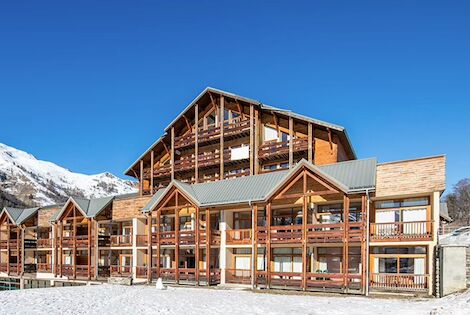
(399, 260)
(334, 213)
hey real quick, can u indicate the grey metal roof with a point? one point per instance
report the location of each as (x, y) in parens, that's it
(248, 100)
(444, 212)
(90, 208)
(355, 174)
(348, 176)
(19, 216)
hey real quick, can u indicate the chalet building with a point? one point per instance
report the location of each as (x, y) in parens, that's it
(236, 192)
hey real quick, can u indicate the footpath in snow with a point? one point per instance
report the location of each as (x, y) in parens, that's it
(109, 299)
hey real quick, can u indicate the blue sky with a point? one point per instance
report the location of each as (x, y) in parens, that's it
(90, 85)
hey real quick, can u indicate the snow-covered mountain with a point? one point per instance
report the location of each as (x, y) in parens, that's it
(41, 183)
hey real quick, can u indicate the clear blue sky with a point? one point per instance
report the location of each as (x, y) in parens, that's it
(91, 84)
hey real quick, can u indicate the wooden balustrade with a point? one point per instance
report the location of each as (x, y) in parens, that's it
(187, 237)
(67, 270)
(142, 240)
(420, 230)
(213, 133)
(187, 274)
(3, 267)
(399, 282)
(286, 234)
(325, 232)
(240, 276)
(82, 271)
(238, 236)
(286, 279)
(166, 238)
(120, 271)
(167, 274)
(121, 240)
(141, 271)
(3, 244)
(44, 267)
(276, 148)
(44, 243)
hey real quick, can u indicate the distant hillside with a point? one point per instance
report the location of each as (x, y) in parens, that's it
(25, 180)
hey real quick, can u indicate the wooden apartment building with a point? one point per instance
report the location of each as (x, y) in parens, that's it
(237, 192)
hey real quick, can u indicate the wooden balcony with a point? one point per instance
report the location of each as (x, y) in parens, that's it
(3, 244)
(161, 171)
(272, 149)
(15, 268)
(238, 237)
(401, 231)
(325, 233)
(44, 267)
(14, 243)
(142, 240)
(121, 240)
(239, 276)
(286, 234)
(82, 271)
(187, 274)
(3, 267)
(333, 281)
(186, 237)
(120, 271)
(286, 279)
(67, 270)
(399, 282)
(79, 240)
(44, 243)
(141, 272)
(211, 134)
(206, 160)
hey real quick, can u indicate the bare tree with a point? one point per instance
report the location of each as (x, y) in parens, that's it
(458, 202)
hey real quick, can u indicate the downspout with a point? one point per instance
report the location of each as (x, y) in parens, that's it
(253, 221)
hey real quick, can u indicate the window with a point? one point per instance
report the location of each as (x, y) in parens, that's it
(270, 134)
(242, 220)
(410, 202)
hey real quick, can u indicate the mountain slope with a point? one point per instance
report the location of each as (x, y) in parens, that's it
(36, 182)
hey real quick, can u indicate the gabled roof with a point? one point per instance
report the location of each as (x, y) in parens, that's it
(90, 208)
(19, 216)
(270, 108)
(347, 176)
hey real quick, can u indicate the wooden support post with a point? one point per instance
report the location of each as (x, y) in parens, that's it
(18, 256)
(310, 143)
(196, 250)
(97, 250)
(196, 144)
(54, 253)
(222, 114)
(152, 162)
(74, 243)
(141, 179)
(8, 247)
(257, 135)
(364, 257)
(90, 222)
(268, 245)
(149, 248)
(346, 241)
(208, 247)
(61, 256)
(254, 241)
(291, 142)
(177, 239)
(158, 244)
(252, 140)
(172, 153)
(304, 233)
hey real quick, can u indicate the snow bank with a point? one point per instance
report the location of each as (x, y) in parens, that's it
(107, 299)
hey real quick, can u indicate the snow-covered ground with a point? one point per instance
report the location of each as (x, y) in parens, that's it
(108, 299)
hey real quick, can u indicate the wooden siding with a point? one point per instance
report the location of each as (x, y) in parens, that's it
(129, 208)
(411, 177)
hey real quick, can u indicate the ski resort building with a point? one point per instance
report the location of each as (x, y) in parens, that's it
(236, 192)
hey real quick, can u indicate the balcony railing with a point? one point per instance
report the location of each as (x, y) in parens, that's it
(421, 230)
(15, 268)
(238, 237)
(120, 271)
(399, 282)
(325, 232)
(44, 243)
(276, 148)
(286, 233)
(142, 240)
(187, 274)
(3, 267)
(141, 271)
(44, 267)
(80, 240)
(121, 240)
(240, 276)
(286, 279)
(187, 237)
(3, 244)
(213, 133)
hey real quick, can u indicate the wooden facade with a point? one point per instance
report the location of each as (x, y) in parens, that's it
(311, 234)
